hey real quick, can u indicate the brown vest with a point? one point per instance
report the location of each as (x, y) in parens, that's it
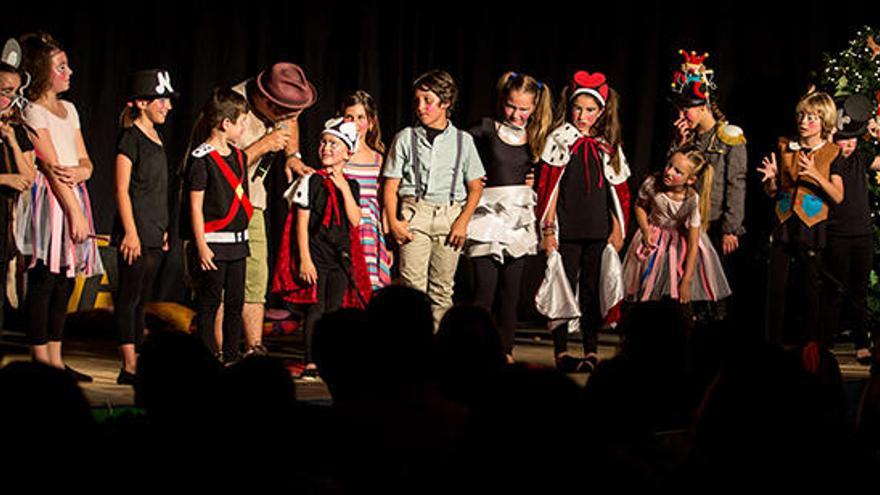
(799, 194)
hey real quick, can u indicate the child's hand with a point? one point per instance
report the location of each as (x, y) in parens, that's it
(307, 272)
(130, 248)
(808, 167)
(338, 179)
(616, 240)
(649, 241)
(206, 257)
(7, 133)
(770, 169)
(400, 232)
(15, 181)
(874, 127)
(684, 291)
(79, 227)
(683, 131)
(549, 243)
(530, 179)
(165, 245)
(457, 234)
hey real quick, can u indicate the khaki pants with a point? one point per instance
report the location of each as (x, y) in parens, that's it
(426, 262)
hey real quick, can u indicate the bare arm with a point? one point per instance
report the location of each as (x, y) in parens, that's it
(206, 256)
(63, 192)
(458, 232)
(307, 270)
(24, 161)
(684, 290)
(399, 228)
(131, 245)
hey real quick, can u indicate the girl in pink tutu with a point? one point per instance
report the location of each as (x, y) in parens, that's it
(660, 262)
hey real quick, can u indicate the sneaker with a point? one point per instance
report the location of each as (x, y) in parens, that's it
(77, 376)
(125, 378)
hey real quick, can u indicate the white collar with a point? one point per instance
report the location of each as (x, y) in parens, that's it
(793, 145)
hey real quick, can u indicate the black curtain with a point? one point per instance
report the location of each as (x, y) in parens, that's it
(763, 60)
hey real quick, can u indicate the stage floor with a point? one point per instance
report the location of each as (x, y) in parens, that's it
(98, 358)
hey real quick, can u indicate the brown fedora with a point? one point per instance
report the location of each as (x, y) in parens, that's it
(285, 84)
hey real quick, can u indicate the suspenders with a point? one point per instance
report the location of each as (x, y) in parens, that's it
(417, 173)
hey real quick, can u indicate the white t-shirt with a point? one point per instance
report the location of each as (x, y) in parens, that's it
(63, 132)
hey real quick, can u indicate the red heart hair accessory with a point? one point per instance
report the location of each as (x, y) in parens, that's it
(593, 84)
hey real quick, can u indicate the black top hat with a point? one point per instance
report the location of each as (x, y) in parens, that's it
(853, 116)
(151, 84)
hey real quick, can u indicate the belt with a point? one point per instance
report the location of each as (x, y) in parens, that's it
(226, 237)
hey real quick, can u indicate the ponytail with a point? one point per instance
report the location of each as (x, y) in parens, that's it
(541, 121)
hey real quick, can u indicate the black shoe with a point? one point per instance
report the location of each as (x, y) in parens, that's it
(125, 378)
(77, 376)
(571, 364)
(310, 374)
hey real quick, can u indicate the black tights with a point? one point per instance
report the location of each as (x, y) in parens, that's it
(582, 261)
(498, 284)
(227, 281)
(134, 290)
(331, 286)
(46, 303)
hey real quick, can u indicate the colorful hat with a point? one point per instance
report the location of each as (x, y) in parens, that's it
(346, 131)
(593, 84)
(853, 115)
(285, 84)
(151, 84)
(693, 83)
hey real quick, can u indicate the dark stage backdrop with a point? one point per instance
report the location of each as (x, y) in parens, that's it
(762, 60)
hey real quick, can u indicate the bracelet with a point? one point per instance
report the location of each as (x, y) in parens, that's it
(295, 154)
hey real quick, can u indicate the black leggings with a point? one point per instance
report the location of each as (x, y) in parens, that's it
(134, 290)
(46, 303)
(793, 283)
(227, 281)
(847, 261)
(331, 286)
(499, 284)
(582, 261)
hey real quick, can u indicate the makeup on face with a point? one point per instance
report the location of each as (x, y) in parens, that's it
(60, 72)
(809, 124)
(331, 150)
(847, 146)
(585, 111)
(519, 107)
(358, 115)
(691, 115)
(677, 172)
(429, 108)
(9, 84)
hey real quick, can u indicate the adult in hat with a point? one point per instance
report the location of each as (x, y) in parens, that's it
(276, 97)
(849, 252)
(140, 230)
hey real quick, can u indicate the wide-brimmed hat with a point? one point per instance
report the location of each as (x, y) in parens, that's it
(285, 85)
(853, 115)
(151, 84)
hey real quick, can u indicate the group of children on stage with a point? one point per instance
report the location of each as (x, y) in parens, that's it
(528, 178)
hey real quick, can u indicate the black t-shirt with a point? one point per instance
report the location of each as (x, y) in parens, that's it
(852, 217)
(7, 194)
(506, 164)
(327, 243)
(148, 187)
(582, 209)
(203, 174)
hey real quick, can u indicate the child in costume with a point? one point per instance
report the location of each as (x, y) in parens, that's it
(804, 181)
(140, 230)
(502, 232)
(582, 195)
(365, 167)
(671, 255)
(321, 262)
(216, 212)
(434, 174)
(848, 255)
(60, 239)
